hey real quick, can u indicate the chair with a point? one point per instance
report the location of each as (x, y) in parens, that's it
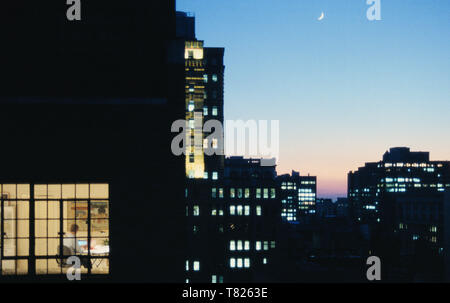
(62, 260)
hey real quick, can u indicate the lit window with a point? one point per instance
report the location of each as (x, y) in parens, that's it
(213, 279)
(258, 210)
(196, 211)
(205, 175)
(187, 265)
(258, 193)
(213, 212)
(220, 192)
(232, 210)
(214, 111)
(272, 244)
(232, 263)
(196, 265)
(191, 106)
(247, 210)
(247, 193)
(239, 245)
(215, 143)
(266, 193)
(272, 193)
(214, 78)
(265, 261)
(232, 193)
(239, 193)
(239, 210)
(232, 245)
(247, 245)
(215, 175)
(205, 111)
(55, 207)
(266, 245)
(205, 78)
(247, 263)
(258, 245)
(213, 192)
(239, 263)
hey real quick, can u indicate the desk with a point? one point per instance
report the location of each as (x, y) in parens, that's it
(98, 251)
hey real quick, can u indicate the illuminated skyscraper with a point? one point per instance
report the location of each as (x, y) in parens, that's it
(298, 196)
(399, 205)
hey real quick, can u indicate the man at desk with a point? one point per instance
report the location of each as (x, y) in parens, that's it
(71, 242)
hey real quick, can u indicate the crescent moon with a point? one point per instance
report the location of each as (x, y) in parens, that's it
(321, 17)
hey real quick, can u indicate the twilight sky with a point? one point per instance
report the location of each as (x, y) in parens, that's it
(345, 89)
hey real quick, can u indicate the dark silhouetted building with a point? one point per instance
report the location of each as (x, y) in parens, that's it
(398, 204)
(86, 113)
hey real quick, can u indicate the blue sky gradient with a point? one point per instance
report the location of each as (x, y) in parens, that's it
(345, 89)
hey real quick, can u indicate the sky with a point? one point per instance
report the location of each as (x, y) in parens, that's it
(345, 89)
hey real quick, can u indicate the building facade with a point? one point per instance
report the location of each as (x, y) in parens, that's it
(298, 196)
(399, 205)
(87, 113)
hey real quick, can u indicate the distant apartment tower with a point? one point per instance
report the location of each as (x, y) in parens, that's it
(298, 196)
(400, 201)
(251, 220)
(400, 171)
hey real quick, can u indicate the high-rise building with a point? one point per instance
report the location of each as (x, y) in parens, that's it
(399, 205)
(204, 82)
(400, 171)
(86, 113)
(298, 196)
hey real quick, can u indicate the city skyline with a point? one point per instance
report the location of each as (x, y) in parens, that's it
(357, 87)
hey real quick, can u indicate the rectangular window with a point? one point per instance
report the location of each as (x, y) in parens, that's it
(272, 193)
(239, 263)
(247, 193)
(239, 193)
(258, 210)
(247, 210)
(213, 279)
(220, 192)
(205, 111)
(266, 193)
(232, 210)
(215, 175)
(67, 218)
(258, 245)
(196, 210)
(196, 266)
(247, 245)
(247, 263)
(239, 210)
(214, 110)
(232, 245)
(239, 245)
(266, 245)
(232, 263)
(258, 193)
(213, 192)
(232, 193)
